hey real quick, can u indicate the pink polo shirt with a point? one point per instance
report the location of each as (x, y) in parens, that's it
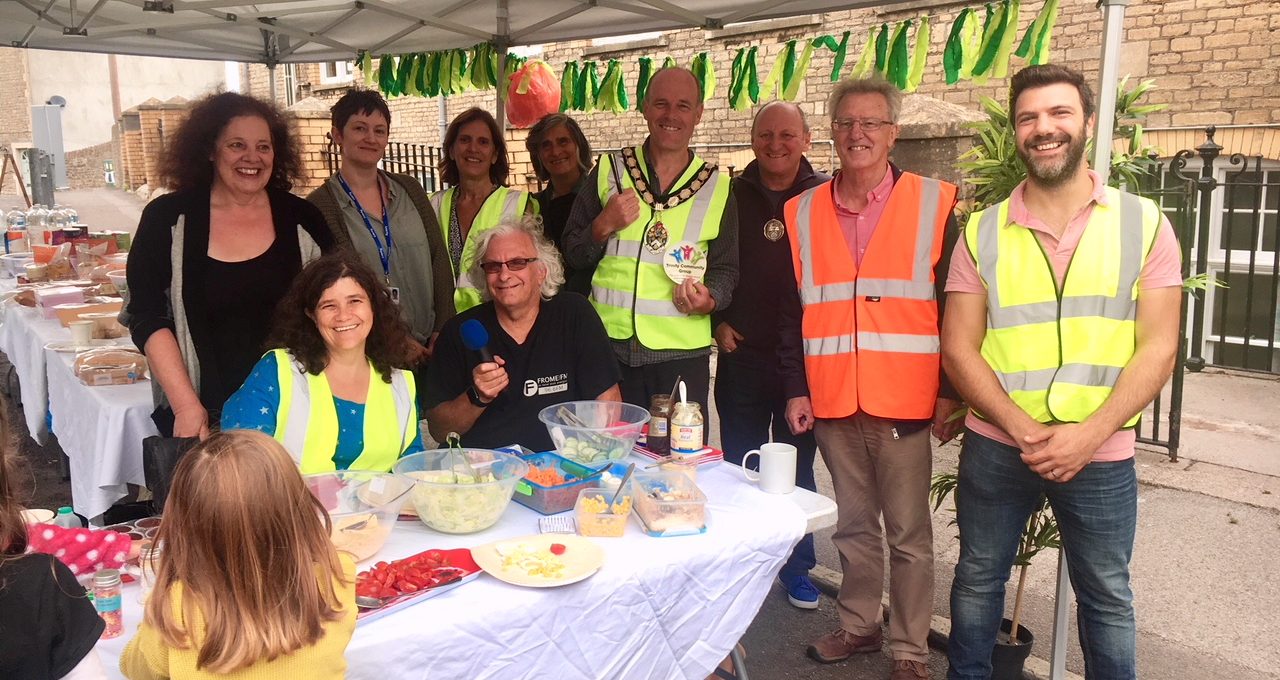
(1162, 269)
(859, 226)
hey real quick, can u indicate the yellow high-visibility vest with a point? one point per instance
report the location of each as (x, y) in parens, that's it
(307, 421)
(630, 290)
(503, 203)
(1058, 353)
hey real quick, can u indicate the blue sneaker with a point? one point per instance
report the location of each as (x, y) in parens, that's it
(801, 592)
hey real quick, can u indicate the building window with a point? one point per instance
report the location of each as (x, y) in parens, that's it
(334, 72)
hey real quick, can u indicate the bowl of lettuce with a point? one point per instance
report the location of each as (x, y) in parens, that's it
(461, 491)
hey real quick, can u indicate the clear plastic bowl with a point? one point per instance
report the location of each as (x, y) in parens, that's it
(15, 264)
(363, 506)
(463, 492)
(594, 432)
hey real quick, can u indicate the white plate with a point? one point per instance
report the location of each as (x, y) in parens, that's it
(71, 346)
(581, 558)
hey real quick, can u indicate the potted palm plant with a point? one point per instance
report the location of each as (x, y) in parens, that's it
(1013, 643)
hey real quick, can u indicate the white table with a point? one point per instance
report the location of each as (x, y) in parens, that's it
(658, 608)
(100, 429)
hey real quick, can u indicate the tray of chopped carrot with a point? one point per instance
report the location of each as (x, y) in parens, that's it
(552, 483)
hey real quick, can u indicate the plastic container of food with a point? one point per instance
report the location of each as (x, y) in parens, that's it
(550, 499)
(362, 505)
(669, 504)
(593, 518)
(594, 432)
(463, 492)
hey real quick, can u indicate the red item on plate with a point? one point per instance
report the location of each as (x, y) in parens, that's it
(84, 551)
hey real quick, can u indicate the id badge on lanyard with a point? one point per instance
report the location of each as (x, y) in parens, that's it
(384, 251)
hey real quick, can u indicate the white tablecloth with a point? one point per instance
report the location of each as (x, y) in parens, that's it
(658, 608)
(100, 429)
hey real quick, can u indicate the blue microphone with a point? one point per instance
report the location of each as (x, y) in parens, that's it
(476, 339)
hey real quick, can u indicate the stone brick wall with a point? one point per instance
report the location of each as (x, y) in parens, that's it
(159, 120)
(85, 166)
(15, 109)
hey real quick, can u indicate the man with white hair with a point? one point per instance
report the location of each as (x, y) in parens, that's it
(860, 356)
(546, 348)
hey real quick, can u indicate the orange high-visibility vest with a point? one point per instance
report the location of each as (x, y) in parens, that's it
(871, 333)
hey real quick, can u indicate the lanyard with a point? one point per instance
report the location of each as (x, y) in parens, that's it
(384, 254)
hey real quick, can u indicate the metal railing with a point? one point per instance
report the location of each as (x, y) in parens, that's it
(420, 161)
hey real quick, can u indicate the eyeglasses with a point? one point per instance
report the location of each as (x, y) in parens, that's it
(514, 264)
(867, 124)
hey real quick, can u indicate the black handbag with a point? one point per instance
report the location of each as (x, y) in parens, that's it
(160, 456)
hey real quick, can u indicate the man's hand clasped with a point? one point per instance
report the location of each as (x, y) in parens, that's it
(1059, 452)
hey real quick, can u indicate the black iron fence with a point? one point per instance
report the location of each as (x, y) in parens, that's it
(420, 161)
(1226, 213)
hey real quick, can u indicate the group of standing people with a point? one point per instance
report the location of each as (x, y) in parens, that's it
(825, 297)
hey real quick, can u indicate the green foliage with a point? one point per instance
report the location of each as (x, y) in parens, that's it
(1040, 533)
(1198, 282)
(992, 167)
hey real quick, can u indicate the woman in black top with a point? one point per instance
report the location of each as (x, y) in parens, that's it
(561, 157)
(211, 260)
(48, 627)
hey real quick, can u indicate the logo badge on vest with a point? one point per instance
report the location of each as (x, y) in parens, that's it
(655, 239)
(684, 260)
(773, 230)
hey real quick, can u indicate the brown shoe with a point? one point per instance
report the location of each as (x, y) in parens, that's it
(906, 669)
(840, 644)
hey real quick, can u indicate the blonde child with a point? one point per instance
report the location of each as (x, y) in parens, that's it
(248, 585)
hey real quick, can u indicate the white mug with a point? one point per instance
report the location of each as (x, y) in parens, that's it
(81, 332)
(777, 467)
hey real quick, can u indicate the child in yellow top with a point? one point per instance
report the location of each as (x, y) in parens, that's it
(248, 584)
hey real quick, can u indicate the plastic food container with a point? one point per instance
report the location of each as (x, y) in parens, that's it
(15, 264)
(463, 492)
(552, 499)
(669, 504)
(362, 505)
(594, 432)
(593, 520)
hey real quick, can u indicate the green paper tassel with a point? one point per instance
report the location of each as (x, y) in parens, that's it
(705, 72)
(863, 67)
(1035, 42)
(612, 96)
(411, 82)
(642, 80)
(837, 61)
(744, 88)
(386, 74)
(429, 75)
(366, 67)
(992, 38)
(669, 62)
(899, 58)
(953, 51)
(791, 85)
(785, 59)
(882, 49)
(1000, 68)
(918, 55)
(568, 82)
(971, 38)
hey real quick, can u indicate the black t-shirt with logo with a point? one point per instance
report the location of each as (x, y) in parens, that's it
(567, 357)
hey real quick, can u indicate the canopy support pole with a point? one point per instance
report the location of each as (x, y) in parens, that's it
(501, 42)
(1108, 75)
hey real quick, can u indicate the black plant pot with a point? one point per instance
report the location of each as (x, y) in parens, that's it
(1007, 657)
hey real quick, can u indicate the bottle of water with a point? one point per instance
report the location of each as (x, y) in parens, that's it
(15, 240)
(67, 518)
(58, 218)
(38, 224)
(73, 217)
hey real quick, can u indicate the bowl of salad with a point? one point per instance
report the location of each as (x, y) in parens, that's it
(594, 433)
(461, 491)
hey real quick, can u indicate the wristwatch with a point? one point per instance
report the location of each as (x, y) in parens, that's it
(475, 399)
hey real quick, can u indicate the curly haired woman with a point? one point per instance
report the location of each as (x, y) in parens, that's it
(336, 391)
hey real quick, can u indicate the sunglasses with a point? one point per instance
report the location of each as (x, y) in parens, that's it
(514, 264)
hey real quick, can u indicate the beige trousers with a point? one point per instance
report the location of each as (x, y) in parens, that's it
(877, 475)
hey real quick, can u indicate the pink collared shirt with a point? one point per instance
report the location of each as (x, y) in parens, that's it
(1162, 269)
(858, 227)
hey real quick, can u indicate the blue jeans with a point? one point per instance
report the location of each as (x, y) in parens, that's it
(1097, 513)
(751, 404)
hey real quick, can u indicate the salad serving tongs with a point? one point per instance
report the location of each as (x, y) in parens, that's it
(458, 458)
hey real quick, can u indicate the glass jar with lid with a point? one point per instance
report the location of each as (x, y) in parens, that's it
(687, 426)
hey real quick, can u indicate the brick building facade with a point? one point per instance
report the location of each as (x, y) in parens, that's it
(1214, 62)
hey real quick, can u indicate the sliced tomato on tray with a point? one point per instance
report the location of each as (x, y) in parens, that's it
(416, 574)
